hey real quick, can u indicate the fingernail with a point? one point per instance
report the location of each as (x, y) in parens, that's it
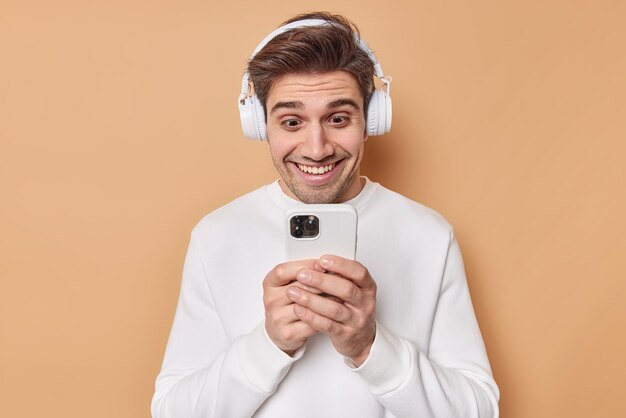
(325, 262)
(293, 292)
(304, 276)
(299, 310)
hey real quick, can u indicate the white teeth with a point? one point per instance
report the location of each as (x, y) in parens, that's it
(316, 170)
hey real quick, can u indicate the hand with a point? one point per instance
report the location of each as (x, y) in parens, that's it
(283, 327)
(348, 315)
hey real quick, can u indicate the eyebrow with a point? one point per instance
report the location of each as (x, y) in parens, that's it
(299, 105)
(343, 102)
(287, 105)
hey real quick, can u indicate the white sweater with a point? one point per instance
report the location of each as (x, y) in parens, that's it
(428, 357)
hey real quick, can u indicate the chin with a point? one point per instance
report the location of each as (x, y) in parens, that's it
(313, 196)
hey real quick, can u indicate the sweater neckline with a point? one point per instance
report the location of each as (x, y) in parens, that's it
(281, 199)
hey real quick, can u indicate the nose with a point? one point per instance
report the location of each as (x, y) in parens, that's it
(316, 145)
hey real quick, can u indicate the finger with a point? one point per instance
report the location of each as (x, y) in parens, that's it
(307, 288)
(275, 297)
(300, 330)
(350, 269)
(331, 284)
(282, 315)
(318, 322)
(320, 305)
(284, 273)
(331, 297)
(290, 336)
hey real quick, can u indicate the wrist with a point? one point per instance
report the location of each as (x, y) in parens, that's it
(365, 353)
(360, 359)
(290, 353)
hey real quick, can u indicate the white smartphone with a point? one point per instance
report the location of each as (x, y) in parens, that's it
(317, 229)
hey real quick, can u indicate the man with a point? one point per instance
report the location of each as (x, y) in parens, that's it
(392, 334)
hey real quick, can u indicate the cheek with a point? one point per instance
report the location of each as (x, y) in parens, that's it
(279, 149)
(353, 144)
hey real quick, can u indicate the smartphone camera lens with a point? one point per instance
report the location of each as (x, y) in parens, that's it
(297, 231)
(311, 224)
(304, 226)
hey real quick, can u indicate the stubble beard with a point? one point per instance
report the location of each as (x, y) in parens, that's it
(324, 194)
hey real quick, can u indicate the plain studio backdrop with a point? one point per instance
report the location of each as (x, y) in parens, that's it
(119, 131)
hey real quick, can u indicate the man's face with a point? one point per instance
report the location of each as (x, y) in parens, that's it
(316, 134)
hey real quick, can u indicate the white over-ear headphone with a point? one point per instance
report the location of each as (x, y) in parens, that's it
(252, 113)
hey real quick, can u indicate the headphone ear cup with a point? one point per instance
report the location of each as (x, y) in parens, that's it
(246, 115)
(259, 121)
(372, 115)
(252, 118)
(379, 114)
(388, 112)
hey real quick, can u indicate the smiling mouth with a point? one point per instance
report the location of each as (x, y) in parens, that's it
(316, 170)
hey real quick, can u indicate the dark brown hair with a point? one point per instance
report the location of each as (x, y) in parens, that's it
(313, 49)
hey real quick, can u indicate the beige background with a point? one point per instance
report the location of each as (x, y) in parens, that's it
(119, 131)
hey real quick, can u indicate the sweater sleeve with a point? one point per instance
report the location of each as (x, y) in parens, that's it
(203, 373)
(453, 378)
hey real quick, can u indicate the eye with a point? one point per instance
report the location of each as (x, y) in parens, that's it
(290, 124)
(339, 120)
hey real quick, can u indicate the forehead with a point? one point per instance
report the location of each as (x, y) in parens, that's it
(325, 87)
